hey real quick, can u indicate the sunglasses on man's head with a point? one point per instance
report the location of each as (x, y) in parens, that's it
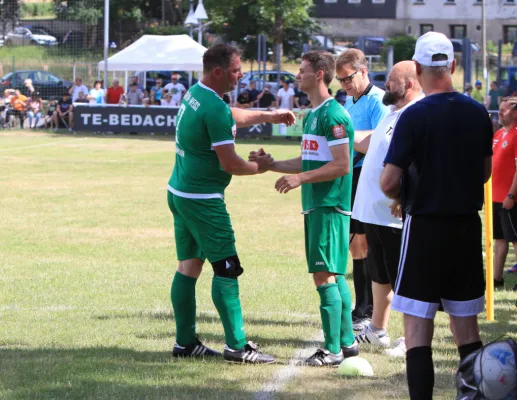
(346, 79)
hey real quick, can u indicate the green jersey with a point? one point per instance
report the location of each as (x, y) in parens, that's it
(323, 127)
(204, 121)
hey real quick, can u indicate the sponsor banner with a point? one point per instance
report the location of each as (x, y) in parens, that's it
(293, 130)
(152, 119)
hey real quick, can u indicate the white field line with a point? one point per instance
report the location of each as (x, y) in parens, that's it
(287, 373)
(34, 146)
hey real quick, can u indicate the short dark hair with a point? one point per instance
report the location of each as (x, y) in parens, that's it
(219, 56)
(99, 82)
(321, 60)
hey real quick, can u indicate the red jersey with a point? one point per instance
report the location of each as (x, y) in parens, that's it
(114, 95)
(503, 163)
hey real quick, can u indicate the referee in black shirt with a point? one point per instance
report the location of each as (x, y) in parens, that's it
(438, 161)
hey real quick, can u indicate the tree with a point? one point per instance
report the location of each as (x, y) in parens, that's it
(403, 48)
(9, 15)
(241, 21)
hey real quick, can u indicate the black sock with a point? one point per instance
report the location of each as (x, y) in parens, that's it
(468, 348)
(362, 296)
(420, 373)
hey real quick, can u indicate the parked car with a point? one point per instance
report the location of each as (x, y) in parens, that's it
(318, 43)
(48, 85)
(372, 45)
(508, 80)
(23, 37)
(266, 77)
(457, 45)
(165, 76)
(378, 78)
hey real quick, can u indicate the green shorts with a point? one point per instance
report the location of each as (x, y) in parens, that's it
(326, 240)
(202, 228)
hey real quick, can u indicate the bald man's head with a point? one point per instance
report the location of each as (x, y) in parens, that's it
(402, 85)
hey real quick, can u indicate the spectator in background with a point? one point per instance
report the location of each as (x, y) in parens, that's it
(64, 111)
(243, 101)
(82, 99)
(134, 96)
(285, 96)
(97, 95)
(253, 92)
(227, 98)
(5, 103)
(266, 99)
(477, 94)
(76, 88)
(18, 107)
(157, 92)
(29, 88)
(114, 93)
(34, 110)
(134, 79)
(495, 95)
(340, 97)
(49, 118)
(301, 99)
(176, 89)
(167, 100)
(468, 90)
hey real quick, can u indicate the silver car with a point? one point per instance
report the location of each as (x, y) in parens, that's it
(266, 77)
(24, 36)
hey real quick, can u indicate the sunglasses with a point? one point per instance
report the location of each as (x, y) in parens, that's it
(346, 79)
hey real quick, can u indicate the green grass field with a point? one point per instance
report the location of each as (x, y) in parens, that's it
(87, 258)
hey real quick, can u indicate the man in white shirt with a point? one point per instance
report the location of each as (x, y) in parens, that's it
(176, 89)
(285, 100)
(76, 88)
(381, 216)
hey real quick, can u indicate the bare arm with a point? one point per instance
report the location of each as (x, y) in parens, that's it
(292, 166)
(232, 163)
(362, 141)
(245, 118)
(339, 166)
(390, 181)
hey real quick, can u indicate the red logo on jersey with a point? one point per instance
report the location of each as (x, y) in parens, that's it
(310, 145)
(339, 131)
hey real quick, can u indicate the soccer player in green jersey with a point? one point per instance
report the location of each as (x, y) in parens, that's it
(205, 162)
(323, 171)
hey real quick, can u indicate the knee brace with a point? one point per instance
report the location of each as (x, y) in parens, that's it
(230, 267)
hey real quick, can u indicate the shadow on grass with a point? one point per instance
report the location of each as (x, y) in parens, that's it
(113, 373)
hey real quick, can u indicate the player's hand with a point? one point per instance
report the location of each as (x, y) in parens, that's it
(396, 209)
(254, 154)
(287, 183)
(508, 203)
(282, 117)
(264, 162)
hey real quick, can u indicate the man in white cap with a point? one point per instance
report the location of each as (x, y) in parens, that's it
(439, 158)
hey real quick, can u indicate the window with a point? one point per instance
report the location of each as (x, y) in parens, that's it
(330, 1)
(354, 1)
(418, 1)
(509, 1)
(450, 2)
(424, 28)
(510, 33)
(378, 1)
(458, 31)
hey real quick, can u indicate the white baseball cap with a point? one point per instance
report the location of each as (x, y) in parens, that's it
(430, 44)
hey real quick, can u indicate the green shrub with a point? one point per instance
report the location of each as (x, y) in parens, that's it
(403, 48)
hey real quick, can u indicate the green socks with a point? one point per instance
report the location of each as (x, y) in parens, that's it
(347, 332)
(225, 294)
(183, 297)
(331, 307)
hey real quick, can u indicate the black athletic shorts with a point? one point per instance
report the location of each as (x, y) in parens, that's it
(356, 227)
(504, 222)
(441, 261)
(383, 253)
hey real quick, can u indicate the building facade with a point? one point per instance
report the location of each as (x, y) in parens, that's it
(455, 18)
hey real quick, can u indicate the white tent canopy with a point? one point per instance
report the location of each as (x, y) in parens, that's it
(152, 52)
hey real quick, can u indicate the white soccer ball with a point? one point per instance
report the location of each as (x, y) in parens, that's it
(495, 372)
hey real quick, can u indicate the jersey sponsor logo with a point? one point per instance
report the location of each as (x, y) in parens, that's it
(318, 263)
(315, 148)
(314, 124)
(310, 145)
(180, 152)
(338, 131)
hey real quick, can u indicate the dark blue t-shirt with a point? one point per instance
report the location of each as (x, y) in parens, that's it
(441, 142)
(64, 105)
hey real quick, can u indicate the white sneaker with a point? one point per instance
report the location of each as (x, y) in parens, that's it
(369, 337)
(398, 349)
